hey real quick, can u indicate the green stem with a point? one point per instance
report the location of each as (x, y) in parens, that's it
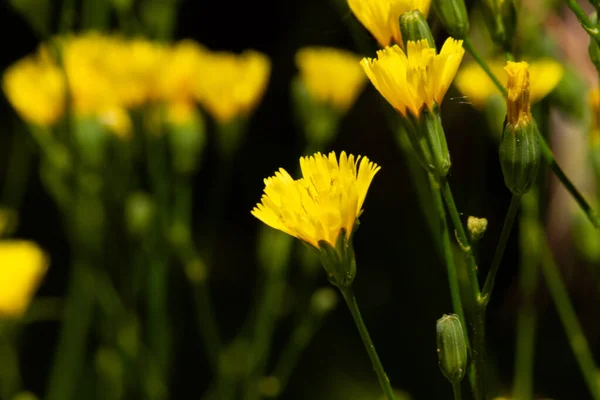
(463, 239)
(566, 312)
(526, 319)
(10, 375)
(509, 220)
(581, 201)
(208, 324)
(158, 326)
(471, 49)
(453, 282)
(350, 299)
(456, 390)
(70, 351)
(583, 18)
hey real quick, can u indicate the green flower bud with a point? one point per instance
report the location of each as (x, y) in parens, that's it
(25, 396)
(594, 52)
(476, 227)
(454, 17)
(338, 261)
(187, 137)
(501, 19)
(139, 212)
(91, 138)
(414, 27)
(323, 300)
(520, 147)
(451, 348)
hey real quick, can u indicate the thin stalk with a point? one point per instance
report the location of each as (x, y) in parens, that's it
(582, 17)
(546, 150)
(350, 299)
(526, 319)
(453, 283)
(568, 317)
(509, 220)
(456, 391)
(208, 324)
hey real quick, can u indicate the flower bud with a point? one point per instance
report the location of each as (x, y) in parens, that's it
(451, 348)
(414, 27)
(454, 17)
(187, 136)
(594, 53)
(476, 227)
(520, 147)
(323, 300)
(139, 213)
(91, 138)
(501, 19)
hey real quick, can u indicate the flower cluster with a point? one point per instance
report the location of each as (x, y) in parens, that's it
(107, 75)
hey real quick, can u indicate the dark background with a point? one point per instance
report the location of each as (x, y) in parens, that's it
(401, 284)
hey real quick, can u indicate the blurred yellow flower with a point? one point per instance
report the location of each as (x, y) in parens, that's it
(329, 197)
(331, 76)
(517, 98)
(417, 79)
(230, 85)
(22, 266)
(473, 82)
(182, 68)
(594, 99)
(181, 112)
(117, 121)
(381, 17)
(35, 87)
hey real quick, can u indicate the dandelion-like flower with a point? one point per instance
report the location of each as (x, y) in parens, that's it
(22, 266)
(517, 97)
(380, 17)
(35, 87)
(183, 66)
(331, 76)
(415, 80)
(473, 82)
(230, 85)
(325, 202)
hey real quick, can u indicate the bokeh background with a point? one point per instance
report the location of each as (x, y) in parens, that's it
(401, 283)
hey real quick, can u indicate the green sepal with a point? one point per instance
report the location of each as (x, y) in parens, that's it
(520, 156)
(454, 17)
(339, 262)
(414, 27)
(451, 348)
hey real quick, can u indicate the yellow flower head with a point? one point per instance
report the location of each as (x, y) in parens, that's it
(35, 87)
(473, 82)
(183, 66)
(117, 121)
(329, 197)
(594, 98)
(517, 96)
(417, 79)
(22, 266)
(331, 76)
(230, 85)
(381, 17)
(182, 113)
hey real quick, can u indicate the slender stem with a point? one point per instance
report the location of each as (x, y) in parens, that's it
(581, 201)
(479, 355)
(456, 390)
(566, 312)
(509, 220)
(581, 16)
(526, 319)
(453, 282)
(348, 295)
(471, 49)
(462, 238)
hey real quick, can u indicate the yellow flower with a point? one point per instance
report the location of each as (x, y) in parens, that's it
(117, 121)
(181, 113)
(35, 87)
(517, 98)
(183, 67)
(230, 85)
(381, 17)
(329, 197)
(22, 266)
(473, 82)
(417, 79)
(331, 76)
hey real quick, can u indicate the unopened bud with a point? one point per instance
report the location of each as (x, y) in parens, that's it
(451, 348)
(501, 19)
(414, 27)
(323, 300)
(454, 17)
(139, 212)
(520, 147)
(187, 136)
(477, 227)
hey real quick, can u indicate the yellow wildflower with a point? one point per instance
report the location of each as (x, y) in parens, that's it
(230, 85)
(117, 121)
(35, 87)
(517, 98)
(473, 82)
(181, 112)
(417, 79)
(329, 197)
(381, 17)
(22, 266)
(331, 76)
(183, 66)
